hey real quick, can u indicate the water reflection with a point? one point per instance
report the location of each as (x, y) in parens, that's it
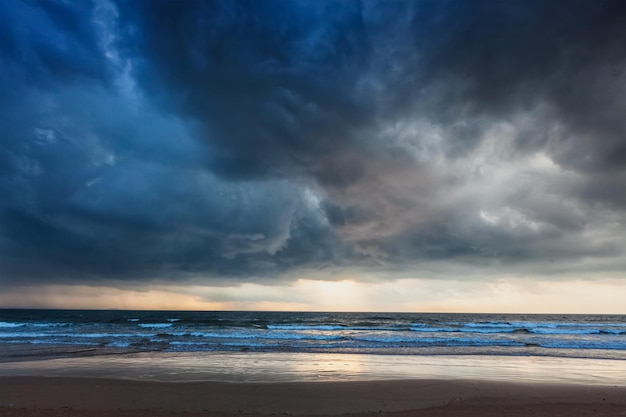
(292, 367)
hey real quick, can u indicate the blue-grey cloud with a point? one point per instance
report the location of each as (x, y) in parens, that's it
(253, 139)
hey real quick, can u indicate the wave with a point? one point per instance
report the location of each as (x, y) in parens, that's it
(11, 335)
(556, 331)
(304, 327)
(323, 332)
(62, 342)
(224, 335)
(251, 345)
(264, 336)
(613, 332)
(50, 336)
(575, 345)
(291, 336)
(11, 325)
(623, 325)
(464, 330)
(532, 328)
(5, 324)
(155, 325)
(439, 341)
(487, 324)
(104, 335)
(471, 327)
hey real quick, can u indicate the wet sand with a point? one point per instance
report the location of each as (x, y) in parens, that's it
(94, 397)
(255, 367)
(62, 381)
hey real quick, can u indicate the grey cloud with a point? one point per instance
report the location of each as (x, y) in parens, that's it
(47, 42)
(251, 140)
(272, 83)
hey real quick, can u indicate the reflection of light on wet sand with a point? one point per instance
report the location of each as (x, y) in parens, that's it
(285, 367)
(326, 366)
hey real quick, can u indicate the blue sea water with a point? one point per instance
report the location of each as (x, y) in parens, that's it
(569, 336)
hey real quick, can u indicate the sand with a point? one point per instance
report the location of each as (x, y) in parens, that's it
(93, 397)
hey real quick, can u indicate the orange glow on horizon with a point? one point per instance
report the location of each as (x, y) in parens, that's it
(408, 295)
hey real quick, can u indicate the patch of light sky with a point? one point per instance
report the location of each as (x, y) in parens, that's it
(504, 295)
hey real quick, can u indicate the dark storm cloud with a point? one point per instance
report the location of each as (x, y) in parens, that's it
(47, 42)
(272, 83)
(247, 139)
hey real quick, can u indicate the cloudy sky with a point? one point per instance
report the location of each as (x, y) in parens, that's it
(424, 155)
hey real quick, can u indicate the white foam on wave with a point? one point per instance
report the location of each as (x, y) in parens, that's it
(438, 341)
(155, 325)
(250, 345)
(488, 324)
(265, 335)
(50, 324)
(58, 342)
(622, 325)
(225, 335)
(295, 336)
(303, 327)
(183, 343)
(8, 335)
(5, 324)
(531, 325)
(434, 329)
(555, 331)
(100, 335)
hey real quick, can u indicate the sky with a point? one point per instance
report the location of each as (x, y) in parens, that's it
(430, 155)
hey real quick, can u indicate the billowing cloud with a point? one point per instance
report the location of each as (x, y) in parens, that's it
(254, 140)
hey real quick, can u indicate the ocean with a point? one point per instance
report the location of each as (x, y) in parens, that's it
(565, 336)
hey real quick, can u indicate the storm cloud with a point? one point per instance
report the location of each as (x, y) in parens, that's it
(234, 141)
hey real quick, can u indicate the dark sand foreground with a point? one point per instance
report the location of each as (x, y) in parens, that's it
(83, 397)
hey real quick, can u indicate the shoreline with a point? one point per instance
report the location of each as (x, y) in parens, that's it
(83, 397)
(28, 352)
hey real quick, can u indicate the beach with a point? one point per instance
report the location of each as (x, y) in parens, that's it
(157, 364)
(84, 397)
(156, 384)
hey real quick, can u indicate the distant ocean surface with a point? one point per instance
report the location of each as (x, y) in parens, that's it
(573, 336)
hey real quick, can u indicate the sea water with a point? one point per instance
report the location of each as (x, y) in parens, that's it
(576, 336)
